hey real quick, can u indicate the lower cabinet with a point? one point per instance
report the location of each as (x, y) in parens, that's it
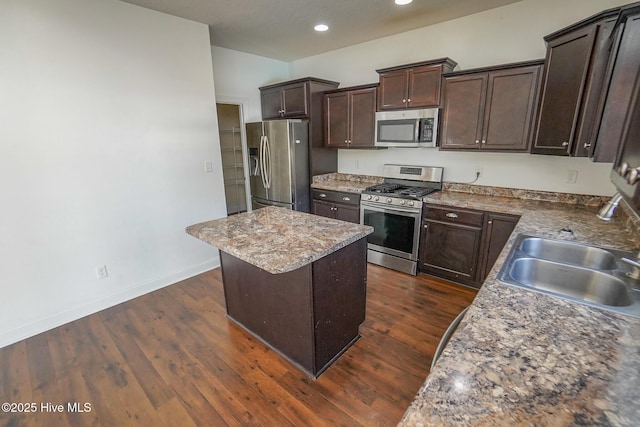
(462, 244)
(337, 205)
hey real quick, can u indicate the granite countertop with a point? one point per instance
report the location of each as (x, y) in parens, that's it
(524, 358)
(344, 182)
(278, 240)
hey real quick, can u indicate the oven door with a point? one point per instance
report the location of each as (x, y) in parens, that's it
(396, 231)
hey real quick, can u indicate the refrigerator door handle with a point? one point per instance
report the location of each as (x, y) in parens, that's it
(262, 168)
(267, 160)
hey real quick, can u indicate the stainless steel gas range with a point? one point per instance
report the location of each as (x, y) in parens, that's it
(394, 210)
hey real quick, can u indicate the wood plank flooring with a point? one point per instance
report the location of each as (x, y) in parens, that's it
(171, 358)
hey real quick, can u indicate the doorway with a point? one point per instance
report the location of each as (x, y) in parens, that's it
(233, 169)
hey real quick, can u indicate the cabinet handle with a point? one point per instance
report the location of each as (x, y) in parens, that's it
(409, 100)
(404, 100)
(477, 141)
(587, 144)
(565, 144)
(484, 141)
(451, 215)
(425, 226)
(490, 222)
(322, 195)
(346, 199)
(346, 141)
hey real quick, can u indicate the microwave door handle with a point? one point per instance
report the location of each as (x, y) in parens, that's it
(416, 136)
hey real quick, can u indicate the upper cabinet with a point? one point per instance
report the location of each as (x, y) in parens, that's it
(622, 110)
(349, 117)
(292, 99)
(575, 77)
(413, 85)
(491, 109)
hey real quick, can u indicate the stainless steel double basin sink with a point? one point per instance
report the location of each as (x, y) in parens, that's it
(585, 274)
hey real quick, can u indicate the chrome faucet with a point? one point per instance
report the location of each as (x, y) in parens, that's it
(607, 211)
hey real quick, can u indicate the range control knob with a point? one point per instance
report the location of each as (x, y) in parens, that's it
(634, 176)
(402, 202)
(388, 199)
(369, 196)
(411, 203)
(376, 198)
(624, 169)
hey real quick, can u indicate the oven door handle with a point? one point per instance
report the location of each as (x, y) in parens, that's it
(411, 212)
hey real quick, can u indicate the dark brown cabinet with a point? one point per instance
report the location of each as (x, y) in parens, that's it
(349, 117)
(574, 79)
(412, 85)
(291, 99)
(626, 174)
(491, 108)
(496, 232)
(337, 205)
(619, 101)
(462, 244)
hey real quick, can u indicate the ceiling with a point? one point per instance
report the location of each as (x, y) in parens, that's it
(283, 29)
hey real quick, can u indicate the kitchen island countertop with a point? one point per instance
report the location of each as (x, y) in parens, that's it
(523, 358)
(278, 240)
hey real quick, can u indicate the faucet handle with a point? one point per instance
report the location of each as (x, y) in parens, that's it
(635, 270)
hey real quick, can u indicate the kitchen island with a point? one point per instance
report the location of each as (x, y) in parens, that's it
(295, 281)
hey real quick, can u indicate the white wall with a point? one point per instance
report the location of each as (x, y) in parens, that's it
(238, 76)
(108, 113)
(507, 34)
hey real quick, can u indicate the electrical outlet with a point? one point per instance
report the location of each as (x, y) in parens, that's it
(208, 166)
(572, 177)
(101, 272)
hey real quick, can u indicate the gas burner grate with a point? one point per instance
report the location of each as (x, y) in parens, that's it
(384, 188)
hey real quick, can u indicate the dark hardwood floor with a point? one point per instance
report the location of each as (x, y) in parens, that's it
(171, 358)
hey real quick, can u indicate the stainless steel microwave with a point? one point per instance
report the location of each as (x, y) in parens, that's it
(407, 128)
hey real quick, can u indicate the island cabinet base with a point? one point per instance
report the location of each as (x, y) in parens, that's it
(310, 315)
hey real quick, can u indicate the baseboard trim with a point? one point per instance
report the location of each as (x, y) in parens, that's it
(75, 313)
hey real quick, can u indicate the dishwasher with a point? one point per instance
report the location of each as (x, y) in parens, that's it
(447, 336)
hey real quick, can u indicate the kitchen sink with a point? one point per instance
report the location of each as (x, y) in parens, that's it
(569, 253)
(585, 274)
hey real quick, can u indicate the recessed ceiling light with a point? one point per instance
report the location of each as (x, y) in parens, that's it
(321, 27)
(403, 2)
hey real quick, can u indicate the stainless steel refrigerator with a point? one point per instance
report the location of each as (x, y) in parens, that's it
(279, 164)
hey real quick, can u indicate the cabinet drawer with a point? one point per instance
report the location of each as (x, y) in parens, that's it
(453, 215)
(337, 196)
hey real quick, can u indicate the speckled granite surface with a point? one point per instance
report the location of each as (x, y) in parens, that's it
(278, 240)
(345, 182)
(523, 358)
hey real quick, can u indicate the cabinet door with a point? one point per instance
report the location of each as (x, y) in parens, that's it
(424, 86)
(294, 100)
(337, 119)
(362, 117)
(567, 67)
(392, 93)
(271, 102)
(323, 209)
(497, 229)
(510, 109)
(348, 213)
(619, 96)
(462, 113)
(450, 251)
